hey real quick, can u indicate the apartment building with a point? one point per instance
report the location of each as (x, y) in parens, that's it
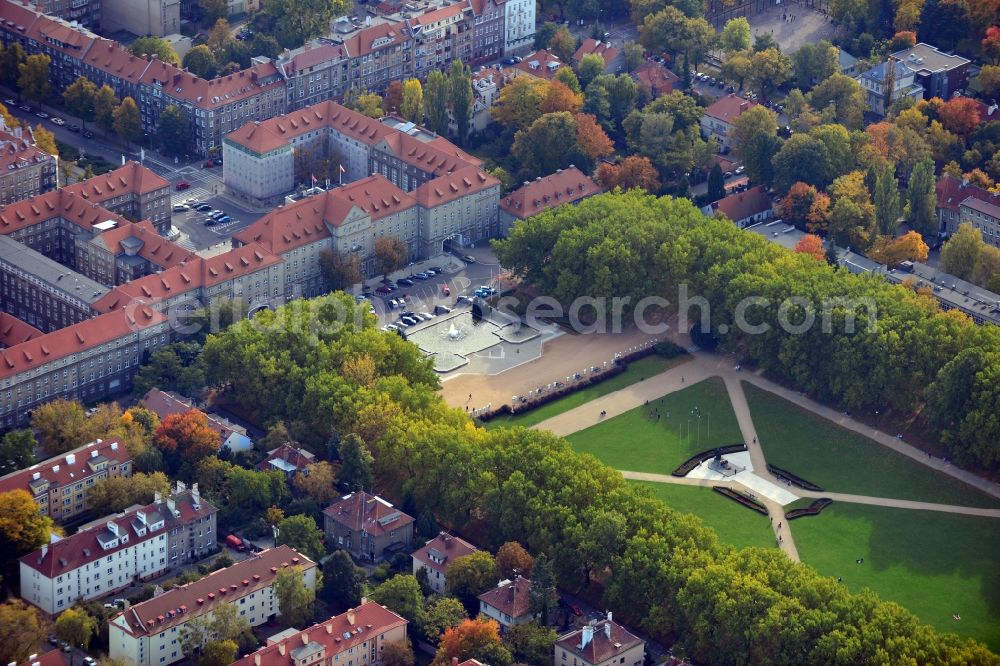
(132, 191)
(440, 36)
(600, 643)
(84, 12)
(903, 85)
(489, 22)
(25, 171)
(939, 74)
(61, 485)
(367, 527)
(148, 634)
(141, 17)
(317, 71)
(436, 555)
(117, 551)
(128, 252)
(519, 25)
(717, 119)
(951, 193)
(982, 215)
(565, 186)
(509, 603)
(356, 637)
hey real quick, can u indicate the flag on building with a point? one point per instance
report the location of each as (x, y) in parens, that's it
(342, 169)
(314, 180)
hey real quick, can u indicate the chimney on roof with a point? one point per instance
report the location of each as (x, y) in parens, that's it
(607, 629)
(586, 636)
(281, 649)
(256, 658)
(350, 616)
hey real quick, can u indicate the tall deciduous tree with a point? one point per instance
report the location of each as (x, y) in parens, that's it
(105, 103)
(341, 270)
(17, 450)
(886, 200)
(300, 532)
(530, 643)
(174, 131)
(61, 425)
(893, 251)
(757, 119)
(10, 64)
(392, 100)
(543, 597)
(473, 639)
(76, 626)
(23, 630)
(411, 107)
(958, 255)
(460, 98)
(845, 96)
(116, 493)
(127, 121)
(471, 575)
(318, 481)
(441, 614)
(79, 98)
(343, 581)
(201, 61)
(589, 68)
(391, 254)
(34, 80)
(150, 46)
(355, 464)
(716, 184)
(186, 437)
(769, 69)
(563, 44)
(634, 171)
(298, 21)
(218, 653)
(811, 245)
(295, 598)
(436, 101)
(735, 35)
(401, 594)
(548, 144)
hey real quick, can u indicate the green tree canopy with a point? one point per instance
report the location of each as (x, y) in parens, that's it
(150, 46)
(301, 533)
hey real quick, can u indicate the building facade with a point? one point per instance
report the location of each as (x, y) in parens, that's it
(519, 25)
(565, 186)
(61, 485)
(984, 216)
(147, 634)
(356, 637)
(951, 193)
(436, 555)
(939, 74)
(25, 171)
(876, 88)
(119, 551)
(717, 119)
(509, 603)
(367, 527)
(141, 17)
(489, 22)
(600, 643)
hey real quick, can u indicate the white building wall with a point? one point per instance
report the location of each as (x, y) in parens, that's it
(519, 26)
(259, 177)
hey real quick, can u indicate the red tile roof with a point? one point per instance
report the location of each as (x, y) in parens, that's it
(155, 248)
(445, 548)
(57, 203)
(951, 192)
(51, 658)
(564, 186)
(742, 205)
(130, 178)
(657, 78)
(67, 471)
(18, 17)
(211, 94)
(340, 633)
(361, 511)
(603, 49)
(219, 587)
(82, 548)
(13, 331)
(601, 647)
(312, 54)
(17, 151)
(267, 135)
(436, 156)
(76, 338)
(165, 403)
(441, 14)
(384, 35)
(60, 36)
(729, 108)
(537, 64)
(462, 182)
(510, 597)
(111, 58)
(298, 458)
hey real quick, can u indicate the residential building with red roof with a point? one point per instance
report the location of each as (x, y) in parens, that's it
(951, 192)
(607, 52)
(13, 331)
(368, 527)
(127, 252)
(356, 637)
(745, 209)
(436, 555)
(25, 170)
(288, 459)
(541, 64)
(655, 78)
(717, 119)
(146, 634)
(568, 185)
(440, 36)
(380, 54)
(54, 657)
(509, 603)
(164, 403)
(600, 643)
(313, 73)
(115, 551)
(61, 485)
(132, 191)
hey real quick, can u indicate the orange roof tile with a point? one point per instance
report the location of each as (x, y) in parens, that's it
(443, 189)
(265, 136)
(13, 331)
(565, 186)
(591, 45)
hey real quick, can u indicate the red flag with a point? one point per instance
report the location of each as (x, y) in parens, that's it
(314, 180)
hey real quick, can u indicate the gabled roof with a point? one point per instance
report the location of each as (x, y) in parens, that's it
(19, 151)
(86, 546)
(442, 547)
(219, 587)
(441, 14)
(267, 135)
(370, 513)
(18, 17)
(53, 657)
(59, 35)
(131, 177)
(112, 58)
(294, 457)
(602, 646)
(742, 205)
(311, 54)
(152, 246)
(444, 189)
(510, 597)
(66, 467)
(373, 38)
(338, 635)
(165, 403)
(73, 339)
(564, 186)
(951, 192)
(436, 157)
(654, 76)
(728, 108)
(603, 49)
(541, 64)
(13, 331)
(62, 203)
(984, 207)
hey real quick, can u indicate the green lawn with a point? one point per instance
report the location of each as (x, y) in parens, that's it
(934, 564)
(637, 441)
(735, 524)
(636, 371)
(840, 460)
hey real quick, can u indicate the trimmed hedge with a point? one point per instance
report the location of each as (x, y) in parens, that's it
(795, 480)
(748, 502)
(685, 468)
(814, 509)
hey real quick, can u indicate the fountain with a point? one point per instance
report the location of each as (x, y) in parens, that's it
(454, 333)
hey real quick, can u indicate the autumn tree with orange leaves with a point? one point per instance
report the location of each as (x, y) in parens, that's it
(812, 245)
(894, 251)
(591, 138)
(631, 173)
(186, 437)
(959, 115)
(473, 639)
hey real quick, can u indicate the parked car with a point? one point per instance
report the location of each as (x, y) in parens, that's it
(90, 661)
(42, 115)
(216, 213)
(203, 208)
(382, 290)
(180, 208)
(430, 271)
(446, 290)
(469, 259)
(437, 269)
(53, 640)
(210, 221)
(10, 102)
(182, 185)
(390, 328)
(235, 543)
(25, 107)
(65, 647)
(73, 128)
(406, 282)
(57, 121)
(87, 134)
(441, 309)
(419, 276)
(739, 170)
(208, 164)
(224, 219)
(218, 161)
